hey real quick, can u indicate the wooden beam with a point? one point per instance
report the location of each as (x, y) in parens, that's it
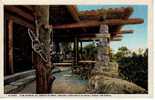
(94, 23)
(116, 39)
(29, 7)
(19, 20)
(101, 12)
(127, 31)
(19, 12)
(81, 48)
(76, 47)
(72, 9)
(10, 45)
(119, 36)
(122, 32)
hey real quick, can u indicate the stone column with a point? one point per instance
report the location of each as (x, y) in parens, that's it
(102, 61)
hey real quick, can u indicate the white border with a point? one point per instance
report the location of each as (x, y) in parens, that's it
(84, 2)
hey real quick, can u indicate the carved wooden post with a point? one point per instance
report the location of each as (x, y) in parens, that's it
(102, 51)
(41, 46)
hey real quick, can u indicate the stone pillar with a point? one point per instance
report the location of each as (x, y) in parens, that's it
(102, 61)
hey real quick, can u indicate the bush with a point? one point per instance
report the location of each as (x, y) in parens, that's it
(135, 68)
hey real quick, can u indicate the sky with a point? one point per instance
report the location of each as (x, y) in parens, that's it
(132, 41)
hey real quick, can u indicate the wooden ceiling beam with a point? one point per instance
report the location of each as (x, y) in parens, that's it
(93, 23)
(101, 12)
(19, 12)
(19, 20)
(74, 13)
(127, 31)
(118, 35)
(116, 39)
(73, 10)
(122, 32)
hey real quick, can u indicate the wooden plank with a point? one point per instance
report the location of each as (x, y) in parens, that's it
(62, 64)
(94, 23)
(10, 45)
(87, 61)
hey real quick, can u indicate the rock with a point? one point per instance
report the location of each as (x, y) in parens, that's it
(106, 85)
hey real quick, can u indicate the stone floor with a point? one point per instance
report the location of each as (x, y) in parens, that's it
(65, 83)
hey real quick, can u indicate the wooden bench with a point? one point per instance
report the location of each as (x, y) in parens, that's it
(87, 61)
(63, 64)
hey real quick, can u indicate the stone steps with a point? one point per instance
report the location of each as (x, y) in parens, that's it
(16, 76)
(16, 86)
(16, 82)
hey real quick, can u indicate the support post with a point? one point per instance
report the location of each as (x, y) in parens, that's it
(102, 63)
(76, 50)
(41, 58)
(81, 48)
(10, 45)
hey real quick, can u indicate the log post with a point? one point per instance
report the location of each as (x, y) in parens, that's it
(81, 48)
(76, 42)
(10, 45)
(41, 58)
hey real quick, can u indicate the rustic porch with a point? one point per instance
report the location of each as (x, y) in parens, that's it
(54, 25)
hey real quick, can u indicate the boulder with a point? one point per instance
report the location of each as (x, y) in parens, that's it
(101, 84)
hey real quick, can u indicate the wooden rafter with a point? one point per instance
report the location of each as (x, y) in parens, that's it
(126, 31)
(111, 13)
(116, 39)
(94, 23)
(73, 10)
(20, 12)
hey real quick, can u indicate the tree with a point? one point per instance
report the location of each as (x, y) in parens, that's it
(122, 52)
(134, 68)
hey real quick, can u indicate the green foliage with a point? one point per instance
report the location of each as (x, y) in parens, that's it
(89, 52)
(133, 67)
(122, 52)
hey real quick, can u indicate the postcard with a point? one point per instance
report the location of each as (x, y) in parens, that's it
(76, 49)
